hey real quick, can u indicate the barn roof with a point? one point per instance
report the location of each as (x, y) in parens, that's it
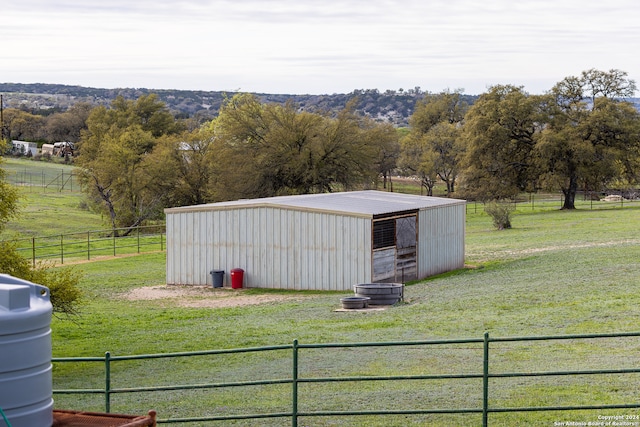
(367, 203)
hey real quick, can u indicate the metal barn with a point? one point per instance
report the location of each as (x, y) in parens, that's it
(328, 241)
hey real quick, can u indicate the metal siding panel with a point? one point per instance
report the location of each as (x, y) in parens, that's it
(355, 251)
(254, 234)
(441, 246)
(193, 260)
(188, 251)
(282, 278)
(319, 254)
(332, 268)
(179, 248)
(306, 266)
(347, 236)
(242, 260)
(325, 248)
(315, 256)
(220, 246)
(284, 249)
(244, 244)
(290, 239)
(271, 268)
(342, 248)
(366, 252)
(170, 265)
(270, 246)
(278, 248)
(209, 253)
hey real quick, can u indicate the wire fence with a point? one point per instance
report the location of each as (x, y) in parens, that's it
(555, 201)
(50, 179)
(94, 243)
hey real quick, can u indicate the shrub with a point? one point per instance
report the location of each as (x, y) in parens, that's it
(62, 283)
(500, 211)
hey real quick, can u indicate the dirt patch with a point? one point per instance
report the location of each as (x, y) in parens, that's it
(204, 296)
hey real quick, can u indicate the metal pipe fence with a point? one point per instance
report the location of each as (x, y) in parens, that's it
(485, 373)
(87, 244)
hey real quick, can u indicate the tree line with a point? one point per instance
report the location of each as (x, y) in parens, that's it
(393, 106)
(137, 157)
(582, 134)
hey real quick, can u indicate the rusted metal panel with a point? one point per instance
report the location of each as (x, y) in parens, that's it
(64, 418)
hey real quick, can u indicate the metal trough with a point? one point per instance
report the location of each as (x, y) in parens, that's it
(355, 302)
(380, 293)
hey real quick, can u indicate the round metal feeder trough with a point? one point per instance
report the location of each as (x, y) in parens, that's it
(380, 293)
(355, 302)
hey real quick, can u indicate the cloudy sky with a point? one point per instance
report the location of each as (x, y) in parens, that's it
(315, 46)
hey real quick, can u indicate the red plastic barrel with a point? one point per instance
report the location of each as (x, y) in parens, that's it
(237, 276)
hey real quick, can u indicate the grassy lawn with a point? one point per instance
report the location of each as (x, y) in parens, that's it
(47, 208)
(555, 272)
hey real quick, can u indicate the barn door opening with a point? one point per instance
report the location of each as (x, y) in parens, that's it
(406, 244)
(395, 248)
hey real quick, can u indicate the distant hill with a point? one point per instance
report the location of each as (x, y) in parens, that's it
(390, 106)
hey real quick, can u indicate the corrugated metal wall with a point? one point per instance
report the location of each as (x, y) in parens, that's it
(277, 248)
(441, 234)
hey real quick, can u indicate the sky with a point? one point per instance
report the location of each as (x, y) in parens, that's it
(315, 46)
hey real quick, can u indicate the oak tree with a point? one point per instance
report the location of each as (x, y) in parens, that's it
(434, 148)
(265, 150)
(591, 135)
(124, 168)
(501, 131)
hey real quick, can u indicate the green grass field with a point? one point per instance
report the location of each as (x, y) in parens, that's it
(555, 272)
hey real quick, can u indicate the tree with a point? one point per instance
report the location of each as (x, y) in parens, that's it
(24, 126)
(501, 129)
(9, 197)
(418, 161)
(68, 126)
(448, 107)
(195, 168)
(264, 150)
(387, 141)
(348, 154)
(445, 148)
(434, 148)
(592, 134)
(124, 168)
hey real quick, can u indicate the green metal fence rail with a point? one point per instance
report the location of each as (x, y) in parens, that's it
(93, 243)
(484, 373)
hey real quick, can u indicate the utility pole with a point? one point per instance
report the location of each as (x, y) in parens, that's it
(3, 131)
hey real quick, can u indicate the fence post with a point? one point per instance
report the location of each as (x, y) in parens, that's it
(294, 386)
(62, 249)
(107, 382)
(88, 246)
(138, 230)
(33, 251)
(485, 381)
